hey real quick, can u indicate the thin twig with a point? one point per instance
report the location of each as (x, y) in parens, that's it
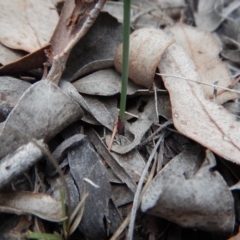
(139, 188)
(196, 81)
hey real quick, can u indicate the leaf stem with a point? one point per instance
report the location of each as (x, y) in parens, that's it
(125, 58)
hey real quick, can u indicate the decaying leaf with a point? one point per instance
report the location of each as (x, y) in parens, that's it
(95, 51)
(207, 61)
(138, 128)
(27, 25)
(11, 89)
(132, 161)
(142, 68)
(29, 203)
(41, 113)
(112, 162)
(193, 115)
(103, 83)
(76, 19)
(85, 163)
(8, 55)
(190, 197)
(30, 61)
(200, 119)
(208, 15)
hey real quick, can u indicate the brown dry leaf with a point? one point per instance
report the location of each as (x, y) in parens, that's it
(38, 204)
(142, 67)
(74, 17)
(27, 25)
(193, 115)
(31, 61)
(208, 64)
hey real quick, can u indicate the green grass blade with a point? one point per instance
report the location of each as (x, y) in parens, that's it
(45, 236)
(125, 58)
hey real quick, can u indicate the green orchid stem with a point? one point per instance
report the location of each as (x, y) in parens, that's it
(125, 64)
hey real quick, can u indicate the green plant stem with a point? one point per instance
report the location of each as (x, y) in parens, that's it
(125, 58)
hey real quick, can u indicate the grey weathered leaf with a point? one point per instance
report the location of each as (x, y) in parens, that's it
(98, 44)
(191, 200)
(112, 162)
(85, 163)
(138, 128)
(103, 83)
(29, 203)
(42, 112)
(11, 89)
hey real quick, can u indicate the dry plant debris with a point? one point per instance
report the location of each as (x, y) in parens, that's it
(175, 172)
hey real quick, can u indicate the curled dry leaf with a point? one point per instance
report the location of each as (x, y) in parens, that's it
(208, 64)
(27, 25)
(193, 115)
(42, 112)
(189, 198)
(28, 203)
(142, 67)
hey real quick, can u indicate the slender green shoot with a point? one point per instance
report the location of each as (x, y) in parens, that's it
(45, 236)
(125, 58)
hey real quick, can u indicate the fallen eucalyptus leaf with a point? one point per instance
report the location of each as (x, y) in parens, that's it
(142, 68)
(11, 89)
(98, 45)
(42, 112)
(191, 201)
(208, 64)
(85, 163)
(8, 55)
(103, 83)
(27, 25)
(122, 195)
(31, 61)
(103, 109)
(21, 203)
(112, 162)
(138, 128)
(208, 16)
(56, 184)
(76, 19)
(193, 115)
